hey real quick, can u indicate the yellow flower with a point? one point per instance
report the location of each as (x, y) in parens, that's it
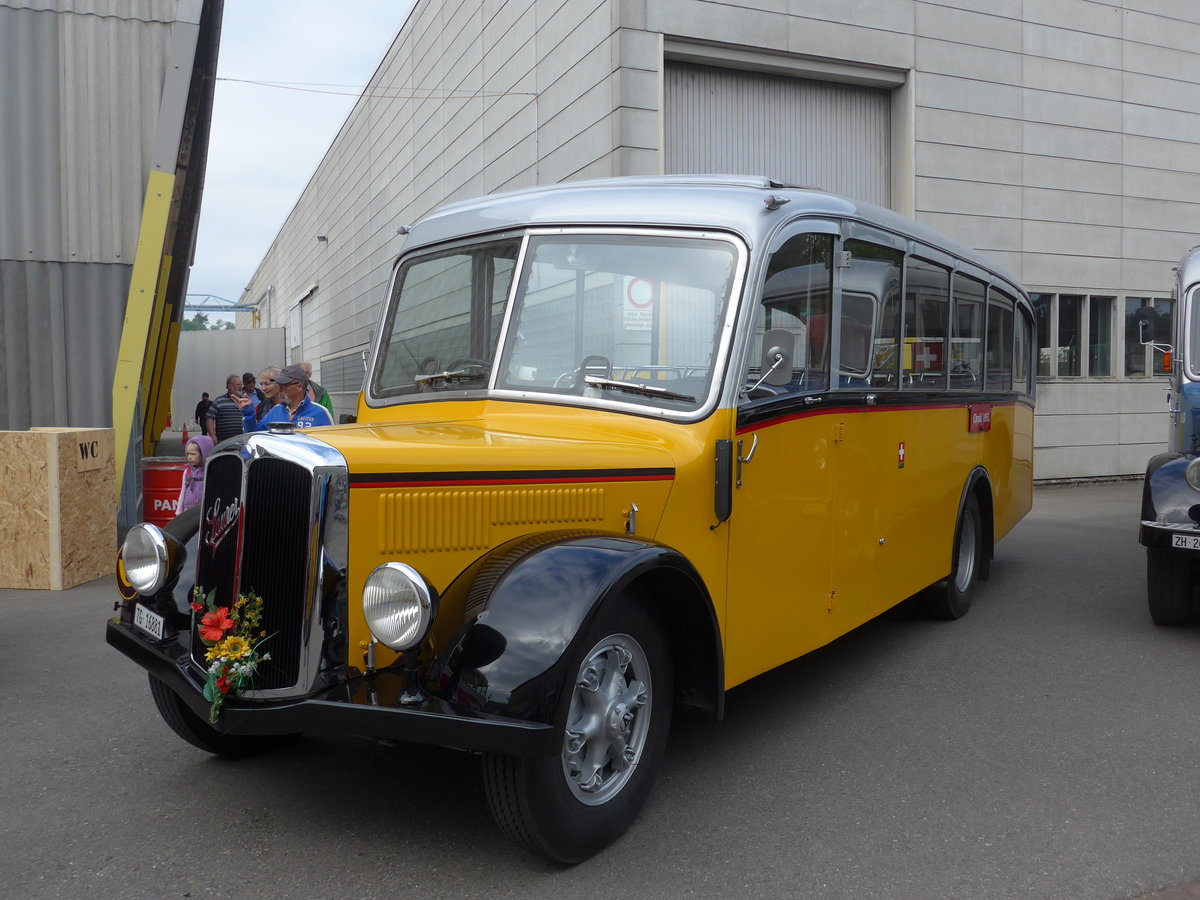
(233, 647)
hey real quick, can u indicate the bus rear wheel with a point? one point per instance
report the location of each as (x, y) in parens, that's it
(950, 599)
(1168, 587)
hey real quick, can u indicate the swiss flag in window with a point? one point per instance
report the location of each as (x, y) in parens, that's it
(927, 356)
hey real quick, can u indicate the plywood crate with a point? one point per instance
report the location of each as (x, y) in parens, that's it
(58, 507)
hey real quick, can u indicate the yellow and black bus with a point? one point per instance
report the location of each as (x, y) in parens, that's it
(621, 445)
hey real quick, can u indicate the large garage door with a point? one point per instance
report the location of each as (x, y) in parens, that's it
(818, 133)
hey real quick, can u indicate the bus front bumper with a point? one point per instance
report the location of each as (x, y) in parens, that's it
(351, 707)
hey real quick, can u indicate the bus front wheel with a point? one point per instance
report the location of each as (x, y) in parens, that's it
(618, 709)
(950, 599)
(1168, 587)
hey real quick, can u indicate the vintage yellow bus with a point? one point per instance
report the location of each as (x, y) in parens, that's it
(621, 445)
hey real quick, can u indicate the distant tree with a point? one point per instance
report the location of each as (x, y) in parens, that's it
(198, 322)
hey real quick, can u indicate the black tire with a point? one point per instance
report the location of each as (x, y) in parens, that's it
(550, 805)
(197, 732)
(1168, 587)
(950, 599)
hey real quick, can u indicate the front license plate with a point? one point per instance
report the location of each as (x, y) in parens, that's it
(149, 622)
(1186, 541)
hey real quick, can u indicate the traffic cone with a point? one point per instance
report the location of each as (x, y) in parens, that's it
(185, 434)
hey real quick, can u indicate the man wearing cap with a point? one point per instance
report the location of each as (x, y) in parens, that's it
(293, 405)
(254, 393)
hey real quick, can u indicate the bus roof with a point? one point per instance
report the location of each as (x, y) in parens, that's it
(734, 203)
(1189, 269)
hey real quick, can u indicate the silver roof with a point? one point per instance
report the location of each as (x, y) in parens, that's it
(729, 203)
(1189, 269)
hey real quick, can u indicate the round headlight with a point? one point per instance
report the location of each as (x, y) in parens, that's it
(1192, 474)
(398, 606)
(145, 555)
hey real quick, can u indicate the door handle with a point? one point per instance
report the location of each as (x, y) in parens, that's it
(745, 459)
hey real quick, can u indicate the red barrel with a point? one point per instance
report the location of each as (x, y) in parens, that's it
(161, 481)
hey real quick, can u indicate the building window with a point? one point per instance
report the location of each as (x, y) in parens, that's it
(1070, 330)
(1100, 317)
(1078, 335)
(1142, 359)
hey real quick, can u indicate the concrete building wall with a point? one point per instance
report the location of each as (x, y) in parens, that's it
(1060, 137)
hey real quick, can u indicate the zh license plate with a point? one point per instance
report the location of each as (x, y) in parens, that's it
(149, 622)
(1186, 541)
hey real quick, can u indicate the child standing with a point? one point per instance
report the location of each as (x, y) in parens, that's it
(192, 491)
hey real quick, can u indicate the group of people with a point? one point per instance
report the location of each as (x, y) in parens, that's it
(286, 394)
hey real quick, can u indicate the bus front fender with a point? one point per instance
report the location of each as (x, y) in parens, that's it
(512, 658)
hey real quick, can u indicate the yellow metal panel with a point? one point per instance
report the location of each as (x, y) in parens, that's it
(158, 370)
(140, 312)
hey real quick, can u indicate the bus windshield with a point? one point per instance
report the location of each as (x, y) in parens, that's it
(629, 318)
(1191, 310)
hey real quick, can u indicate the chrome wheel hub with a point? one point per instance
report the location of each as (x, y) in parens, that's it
(608, 719)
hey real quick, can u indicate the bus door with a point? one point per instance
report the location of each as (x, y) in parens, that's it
(867, 453)
(780, 527)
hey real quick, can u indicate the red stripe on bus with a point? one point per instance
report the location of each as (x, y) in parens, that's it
(843, 410)
(473, 482)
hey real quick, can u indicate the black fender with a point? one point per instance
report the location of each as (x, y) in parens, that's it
(1165, 491)
(980, 485)
(512, 654)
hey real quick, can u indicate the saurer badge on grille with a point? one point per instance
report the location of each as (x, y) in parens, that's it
(219, 522)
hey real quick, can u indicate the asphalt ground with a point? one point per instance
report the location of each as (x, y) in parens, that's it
(1044, 746)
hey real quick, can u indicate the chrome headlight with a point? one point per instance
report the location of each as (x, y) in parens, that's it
(145, 557)
(1192, 474)
(398, 605)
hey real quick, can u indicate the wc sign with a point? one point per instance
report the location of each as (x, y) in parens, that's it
(89, 456)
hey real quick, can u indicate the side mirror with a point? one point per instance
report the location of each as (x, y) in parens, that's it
(779, 347)
(1144, 317)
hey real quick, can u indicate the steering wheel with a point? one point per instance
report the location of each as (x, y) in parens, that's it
(464, 362)
(594, 364)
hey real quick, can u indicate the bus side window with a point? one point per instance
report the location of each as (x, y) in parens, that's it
(999, 358)
(966, 341)
(870, 322)
(926, 317)
(1022, 353)
(795, 298)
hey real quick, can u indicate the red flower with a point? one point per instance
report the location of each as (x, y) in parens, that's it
(215, 624)
(223, 685)
(196, 607)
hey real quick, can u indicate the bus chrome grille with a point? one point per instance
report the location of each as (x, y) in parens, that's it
(256, 533)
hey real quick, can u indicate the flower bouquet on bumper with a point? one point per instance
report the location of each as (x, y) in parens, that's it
(233, 637)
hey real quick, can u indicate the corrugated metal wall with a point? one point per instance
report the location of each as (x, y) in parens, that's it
(80, 90)
(59, 328)
(823, 134)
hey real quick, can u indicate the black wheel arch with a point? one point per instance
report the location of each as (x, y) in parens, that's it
(1165, 490)
(530, 602)
(979, 486)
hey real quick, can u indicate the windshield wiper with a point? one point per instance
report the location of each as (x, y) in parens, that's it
(635, 387)
(472, 372)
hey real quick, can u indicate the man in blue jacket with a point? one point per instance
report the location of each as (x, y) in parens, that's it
(293, 406)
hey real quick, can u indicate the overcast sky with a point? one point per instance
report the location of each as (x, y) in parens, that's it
(266, 141)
